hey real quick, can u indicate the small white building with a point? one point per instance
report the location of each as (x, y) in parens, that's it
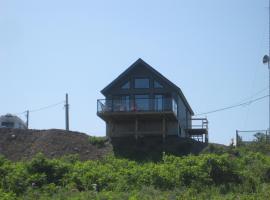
(12, 121)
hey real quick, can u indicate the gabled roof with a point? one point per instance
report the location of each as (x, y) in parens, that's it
(142, 62)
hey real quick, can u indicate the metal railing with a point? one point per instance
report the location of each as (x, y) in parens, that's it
(199, 123)
(199, 129)
(137, 105)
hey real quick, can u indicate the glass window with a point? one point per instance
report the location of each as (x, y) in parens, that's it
(125, 103)
(157, 85)
(142, 83)
(174, 106)
(141, 102)
(8, 124)
(126, 85)
(158, 102)
(121, 103)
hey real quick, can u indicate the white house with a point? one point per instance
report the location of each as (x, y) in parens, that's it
(12, 121)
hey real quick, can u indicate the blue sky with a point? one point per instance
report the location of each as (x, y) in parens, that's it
(211, 49)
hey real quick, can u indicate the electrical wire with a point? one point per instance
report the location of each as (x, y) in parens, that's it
(47, 107)
(233, 106)
(42, 108)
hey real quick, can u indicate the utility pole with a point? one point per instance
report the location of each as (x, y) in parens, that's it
(67, 113)
(27, 119)
(269, 61)
(266, 60)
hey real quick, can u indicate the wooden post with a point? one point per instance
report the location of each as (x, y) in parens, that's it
(111, 128)
(67, 113)
(206, 137)
(108, 129)
(236, 139)
(136, 128)
(27, 119)
(163, 128)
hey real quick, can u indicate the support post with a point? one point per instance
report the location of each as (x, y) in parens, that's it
(163, 128)
(67, 113)
(206, 137)
(136, 128)
(110, 129)
(27, 119)
(236, 139)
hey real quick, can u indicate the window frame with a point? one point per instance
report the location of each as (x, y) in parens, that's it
(140, 101)
(126, 82)
(158, 82)
(137, 78)
(157, 102)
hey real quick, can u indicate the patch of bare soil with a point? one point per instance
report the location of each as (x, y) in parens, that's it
(17, 144)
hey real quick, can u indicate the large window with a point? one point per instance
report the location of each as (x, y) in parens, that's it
(142, 102)
(121, 103)
(125, 103)
(174, 107)
(158, 102)
(142, 83)
(8, 124)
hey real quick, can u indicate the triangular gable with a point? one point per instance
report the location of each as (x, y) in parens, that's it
(135, 64)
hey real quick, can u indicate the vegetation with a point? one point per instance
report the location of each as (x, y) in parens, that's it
(98, 141)
(217, 173)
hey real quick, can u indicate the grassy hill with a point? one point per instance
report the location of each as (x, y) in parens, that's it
(217, 172)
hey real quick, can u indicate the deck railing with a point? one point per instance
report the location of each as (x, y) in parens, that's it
(199, 129)
(199, 123)
(137, 105)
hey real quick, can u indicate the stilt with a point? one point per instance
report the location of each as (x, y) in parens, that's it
(163, 128)
(136, 129)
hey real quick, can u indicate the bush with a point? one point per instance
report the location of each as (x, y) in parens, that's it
(98, 141)
(206, 176)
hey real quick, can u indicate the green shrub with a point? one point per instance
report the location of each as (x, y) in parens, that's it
(44, 171)
(98, 141)
(206, 176)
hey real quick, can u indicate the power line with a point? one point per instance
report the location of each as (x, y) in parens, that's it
(247, 113)
(233, 106)
(255, 94)
(42, 108)
(47, 107)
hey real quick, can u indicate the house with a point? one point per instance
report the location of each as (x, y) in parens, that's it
(12, 121)
(142, 102)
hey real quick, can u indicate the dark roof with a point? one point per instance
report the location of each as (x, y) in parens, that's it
(140, 61)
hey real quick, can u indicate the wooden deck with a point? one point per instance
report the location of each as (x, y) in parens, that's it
(107, 116)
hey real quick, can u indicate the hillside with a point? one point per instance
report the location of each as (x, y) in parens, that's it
(215, 172)
(16, 144)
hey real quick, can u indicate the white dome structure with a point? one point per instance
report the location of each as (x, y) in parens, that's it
(12, 121)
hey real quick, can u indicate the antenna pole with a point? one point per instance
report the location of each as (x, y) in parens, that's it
(269, 62)
(67, 113)
(27, 119)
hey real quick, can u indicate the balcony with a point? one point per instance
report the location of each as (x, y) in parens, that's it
(199, 129)
(125, 108)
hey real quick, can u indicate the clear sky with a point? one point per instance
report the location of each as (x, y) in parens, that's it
(211, 49)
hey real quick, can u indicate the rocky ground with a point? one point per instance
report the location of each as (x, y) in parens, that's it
(16, 144)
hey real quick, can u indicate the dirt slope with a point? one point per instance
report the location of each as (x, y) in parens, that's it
(16, 144)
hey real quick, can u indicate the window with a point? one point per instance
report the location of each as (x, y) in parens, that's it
(142, 83)
(126, 85)
(174, 106)
(125, 103)
(121, 103)
(141, 102)
(8, 124)
(158, 102)
(157, 84)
